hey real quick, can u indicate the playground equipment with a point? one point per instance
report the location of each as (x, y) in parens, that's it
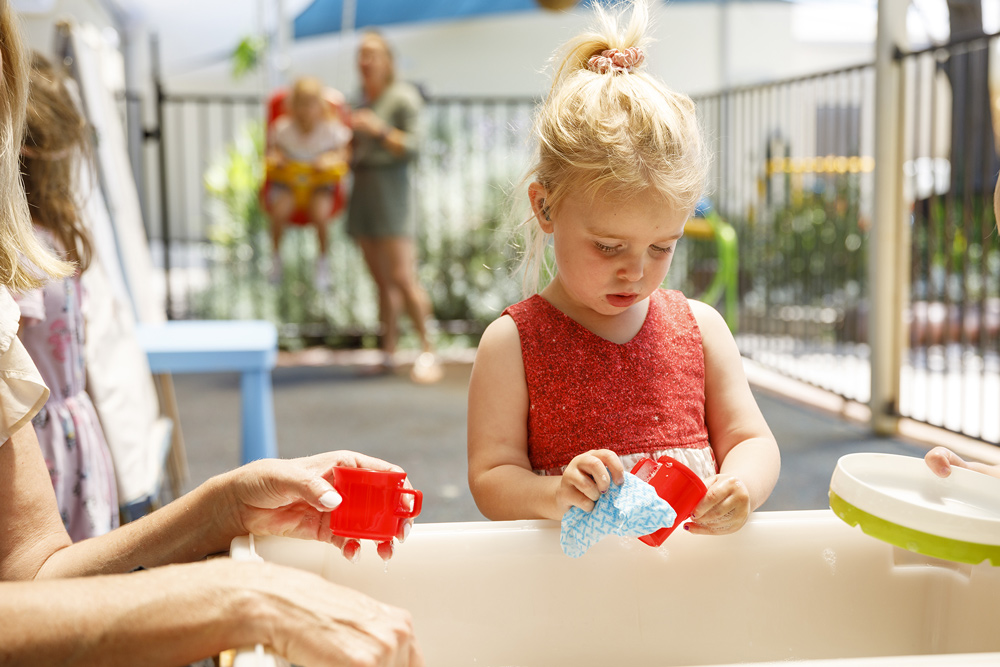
(724, 286)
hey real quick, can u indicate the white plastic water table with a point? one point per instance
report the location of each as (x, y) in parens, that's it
(789, 586)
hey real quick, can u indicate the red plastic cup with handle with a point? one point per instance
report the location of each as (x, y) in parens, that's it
(675, 483)
(375, 502)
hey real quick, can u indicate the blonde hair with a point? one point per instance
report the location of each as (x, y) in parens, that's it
(25, 263)
(308, 87)
(56, 138)
(617, 134)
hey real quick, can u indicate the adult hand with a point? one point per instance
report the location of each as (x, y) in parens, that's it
(294, 497)
(587, 477)
(365, 120)
(312, 621)
(724, 509)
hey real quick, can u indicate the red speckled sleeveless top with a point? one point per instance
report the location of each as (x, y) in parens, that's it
(586, 392)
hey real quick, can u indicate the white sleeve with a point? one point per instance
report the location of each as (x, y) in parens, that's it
(22, 391)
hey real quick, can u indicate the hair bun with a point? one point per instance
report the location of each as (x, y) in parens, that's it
(615, 60)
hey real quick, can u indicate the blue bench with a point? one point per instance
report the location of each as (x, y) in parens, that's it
(215, 346)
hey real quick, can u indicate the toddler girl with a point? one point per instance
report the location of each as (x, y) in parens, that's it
(602, 367)
(68, 429)
(307, 142)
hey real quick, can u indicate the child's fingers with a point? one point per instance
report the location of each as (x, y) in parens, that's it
(578, 499)
(613, 463)
(941, 459)
(729, 522)
(579, 478)
(568, 495)
(593, 465)
(724, 508)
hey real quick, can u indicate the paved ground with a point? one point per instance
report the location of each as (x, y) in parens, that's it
(422, 428)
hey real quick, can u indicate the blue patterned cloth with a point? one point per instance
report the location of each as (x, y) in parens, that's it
(630, 510)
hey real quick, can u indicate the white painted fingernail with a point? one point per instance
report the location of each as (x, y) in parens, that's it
(331, 499)
(406, 530)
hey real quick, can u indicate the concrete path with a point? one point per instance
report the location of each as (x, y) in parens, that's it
(422, 428)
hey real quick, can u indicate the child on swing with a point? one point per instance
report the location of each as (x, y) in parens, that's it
(602, 367)
(310, 143)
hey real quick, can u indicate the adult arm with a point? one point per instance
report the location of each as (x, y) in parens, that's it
(744, 447)
(30, 527)
(179, 614)
(400, 135)
(290, 498)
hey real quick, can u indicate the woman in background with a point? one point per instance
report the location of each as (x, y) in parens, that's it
(380, 216)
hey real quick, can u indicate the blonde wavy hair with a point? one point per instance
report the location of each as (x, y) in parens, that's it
(25, 263)
(57, 137)
(617, 134)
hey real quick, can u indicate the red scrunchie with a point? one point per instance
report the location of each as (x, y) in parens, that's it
(614, 60)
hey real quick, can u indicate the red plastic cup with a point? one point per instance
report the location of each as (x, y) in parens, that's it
(373, 503)
(675, 483)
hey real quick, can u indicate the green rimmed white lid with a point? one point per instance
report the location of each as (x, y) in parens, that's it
(899, 500)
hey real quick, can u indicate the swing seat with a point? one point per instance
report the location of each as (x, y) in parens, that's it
(302, 178)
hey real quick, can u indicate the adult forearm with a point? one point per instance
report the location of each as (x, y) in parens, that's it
(193, 526)
(169, 616)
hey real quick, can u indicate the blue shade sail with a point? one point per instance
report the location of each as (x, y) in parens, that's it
(324, 16)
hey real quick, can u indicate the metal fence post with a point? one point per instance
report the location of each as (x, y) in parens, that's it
(888, 230)
(162, 167)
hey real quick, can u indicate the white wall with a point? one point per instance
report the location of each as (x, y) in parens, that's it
(39, 17)
(506, 55)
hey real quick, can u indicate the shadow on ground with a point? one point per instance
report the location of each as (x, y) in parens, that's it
(422, 428)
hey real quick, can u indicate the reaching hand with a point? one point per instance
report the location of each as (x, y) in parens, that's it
(724, 509)
(941, 460)
(293, 498)
(588, 476)
(365, 120)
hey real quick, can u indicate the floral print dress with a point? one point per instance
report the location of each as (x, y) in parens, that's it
(67, 426)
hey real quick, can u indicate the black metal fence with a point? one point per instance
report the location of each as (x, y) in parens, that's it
(793, 173)
(218, 256)
(951, 374)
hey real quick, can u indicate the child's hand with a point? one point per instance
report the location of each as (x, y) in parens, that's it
(588, 476)
(941, 460)
(724, 509)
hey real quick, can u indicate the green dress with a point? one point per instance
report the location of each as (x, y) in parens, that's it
(381, 204)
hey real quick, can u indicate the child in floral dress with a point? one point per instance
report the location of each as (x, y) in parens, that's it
(52, 325)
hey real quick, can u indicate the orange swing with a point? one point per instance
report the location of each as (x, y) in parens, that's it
(304, 178)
